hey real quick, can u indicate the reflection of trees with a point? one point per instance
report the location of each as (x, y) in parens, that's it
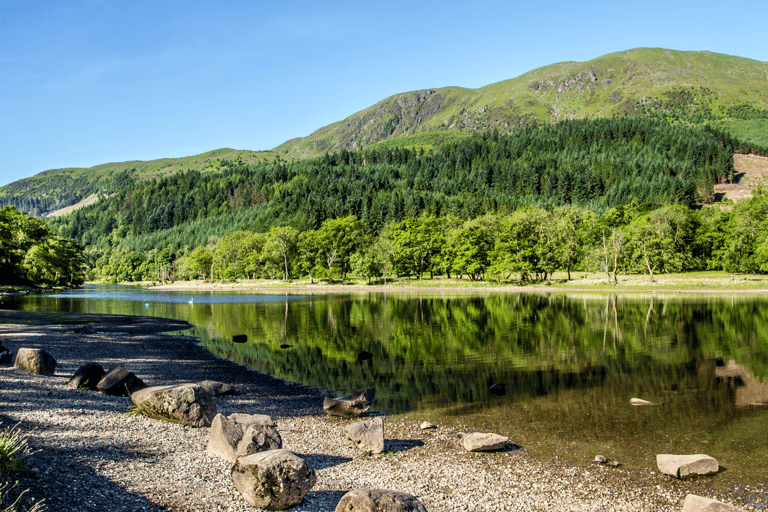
(448, 349)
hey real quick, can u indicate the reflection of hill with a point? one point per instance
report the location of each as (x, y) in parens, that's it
(750, 391)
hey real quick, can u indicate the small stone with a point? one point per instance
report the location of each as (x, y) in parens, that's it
(273, 480)
(483, 442)
(378, 500)
(350, 406)
(188, 404)
(215, 388)
(367, 436)
(681, 466)
(640, 401)
(35, 360)
(694, 503)
(600, 459)
(120, 382)
(87, 377)
(426, 425)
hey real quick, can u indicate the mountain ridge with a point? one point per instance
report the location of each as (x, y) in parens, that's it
(682, 86)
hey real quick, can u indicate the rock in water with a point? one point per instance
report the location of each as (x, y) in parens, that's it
(350, 406)
(640, 401)
(378, 500)
(273, 480)
(695, 503)
(120, 382)
(482, 442)
(35, 360)
(87, 376)
(498, 389)
(188, 404)
(367, 436)
(681, 466)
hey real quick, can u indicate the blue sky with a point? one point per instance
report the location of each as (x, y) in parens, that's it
(86, 82)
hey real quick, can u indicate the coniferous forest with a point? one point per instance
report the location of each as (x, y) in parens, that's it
(616, 195)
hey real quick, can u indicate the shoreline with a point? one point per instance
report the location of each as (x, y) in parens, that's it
(674, 286)
(133, 462)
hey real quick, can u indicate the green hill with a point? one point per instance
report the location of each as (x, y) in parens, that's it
(694, 87)
(58, 188)
(728, 92)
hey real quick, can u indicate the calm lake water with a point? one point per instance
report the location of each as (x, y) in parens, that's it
(569, 363)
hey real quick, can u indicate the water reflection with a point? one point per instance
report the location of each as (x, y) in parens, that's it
(569, 363)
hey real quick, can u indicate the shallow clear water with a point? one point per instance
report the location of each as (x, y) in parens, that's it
(569, 363)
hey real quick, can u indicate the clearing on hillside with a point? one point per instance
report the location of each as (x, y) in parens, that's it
(751, 170)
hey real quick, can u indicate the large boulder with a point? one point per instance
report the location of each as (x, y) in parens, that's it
(188, 404)
(273, 480)
(350, 406)
(483, 442)
(35, 360)
(695, 503)
(367, 436)
(240, 435)
(87, 376)
(378, 500)
(120, 382)
(681, 466)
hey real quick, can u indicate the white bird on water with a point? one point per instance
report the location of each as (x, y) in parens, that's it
(191, 300)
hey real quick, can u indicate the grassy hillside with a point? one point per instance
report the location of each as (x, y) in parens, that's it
(58, 188)
(693, 87)
(728, 92)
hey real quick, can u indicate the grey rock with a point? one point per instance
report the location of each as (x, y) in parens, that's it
(350, 406)
(378, 500)
(87, 376)
(253, 419)
(224, 437)
(483, 442)
(273, 480)
(681, 466)
(215, 388)
(242, 434)
(258, 438)
(120, 382)
(188, 404)
(35, 360)
(367, 436)
(694, 503)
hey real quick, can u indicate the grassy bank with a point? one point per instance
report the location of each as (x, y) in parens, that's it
(695, 282)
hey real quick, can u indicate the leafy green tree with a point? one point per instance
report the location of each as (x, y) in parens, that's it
(336, 241)
(415, 243)
(468, 248)
(515, 248)
(282, 241)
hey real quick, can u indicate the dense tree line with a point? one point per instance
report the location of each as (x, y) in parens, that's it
(528, 244)
(596, 164)
(31, 254)
(515, 191)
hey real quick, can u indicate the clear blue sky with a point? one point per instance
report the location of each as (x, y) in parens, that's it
(86, 82)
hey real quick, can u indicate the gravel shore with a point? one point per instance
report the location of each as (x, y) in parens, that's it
(92, 456)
